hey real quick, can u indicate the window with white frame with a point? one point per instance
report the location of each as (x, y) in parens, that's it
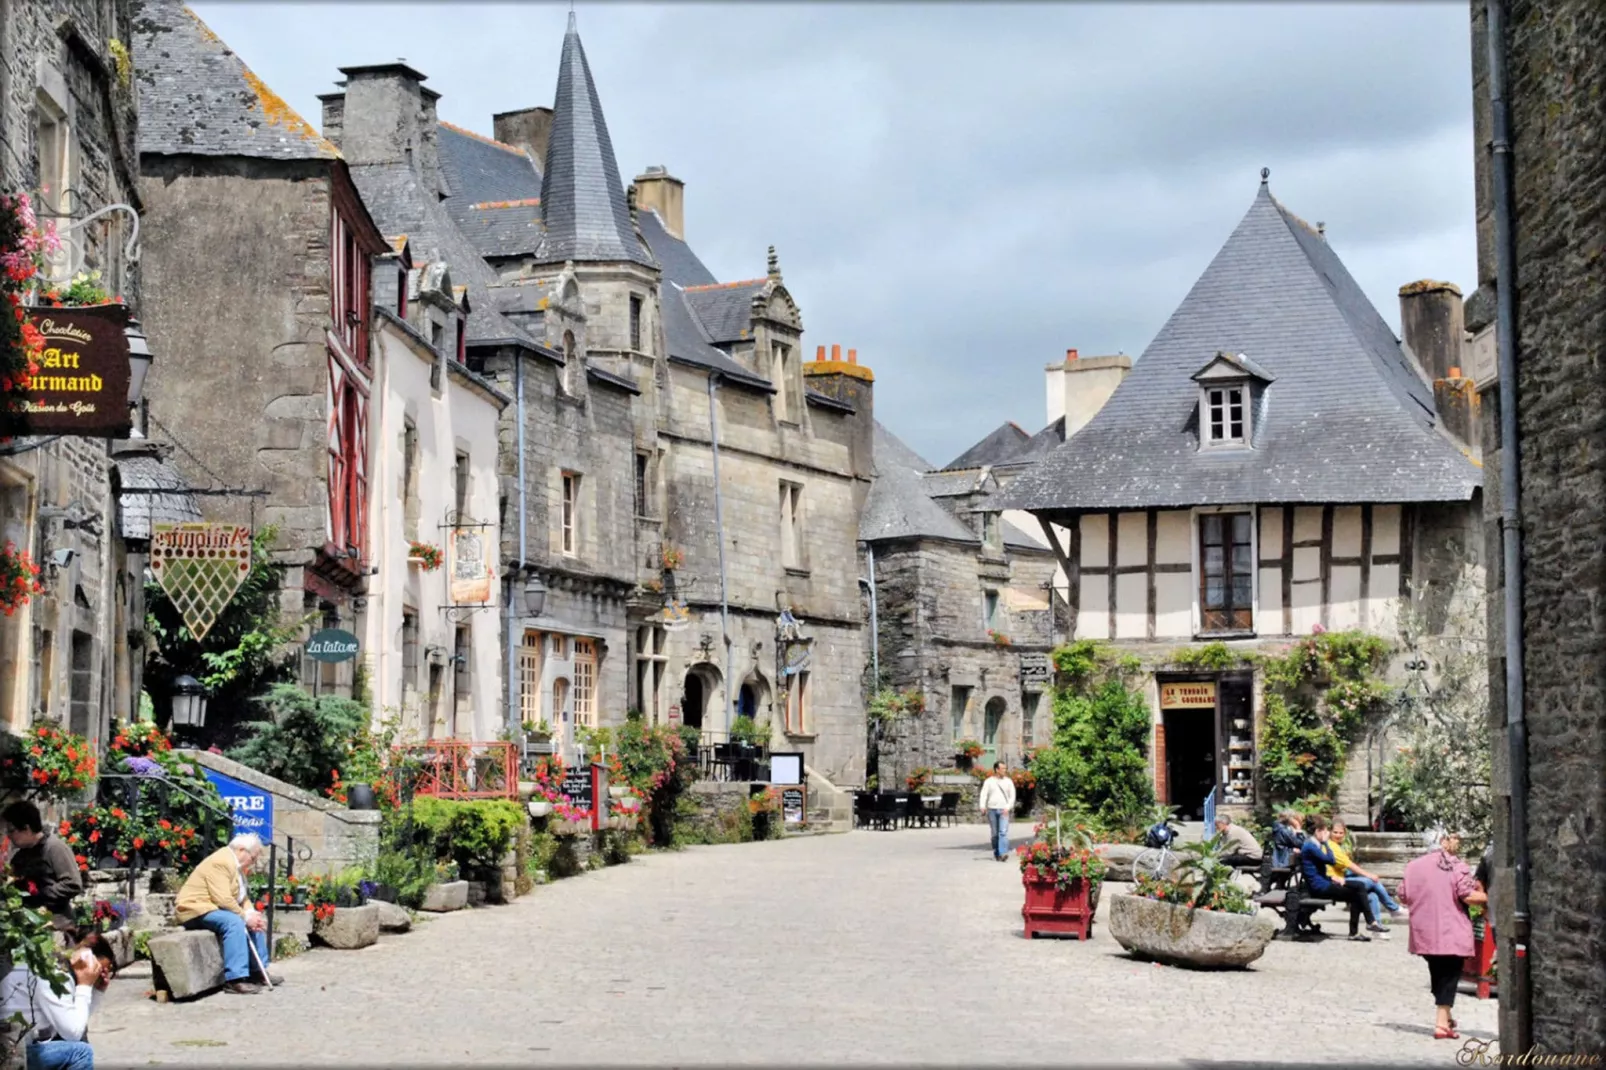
(959, 707)
(585, 683)
(58, 159)
(791, 525)
(781, 374)
(530, 664)
(1227, 415)
(1226, 572)
(651, 665)
(570, 517)
(797, 705)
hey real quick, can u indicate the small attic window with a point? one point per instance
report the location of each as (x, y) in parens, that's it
(1226, 416)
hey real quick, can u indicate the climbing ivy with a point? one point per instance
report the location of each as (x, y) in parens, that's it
(1101, 729)
(1210, 657)
(1320, 697)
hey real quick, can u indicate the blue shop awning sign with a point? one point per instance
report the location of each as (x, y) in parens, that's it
(252, 807)
(332, 645)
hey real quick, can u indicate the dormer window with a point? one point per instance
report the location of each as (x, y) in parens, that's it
(1230, 387)
(1226, 416)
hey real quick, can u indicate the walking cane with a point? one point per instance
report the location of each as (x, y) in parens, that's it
(262, 967)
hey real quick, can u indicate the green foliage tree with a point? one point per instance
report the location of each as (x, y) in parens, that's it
(305, 738)
(1098, 759)
(242, 655)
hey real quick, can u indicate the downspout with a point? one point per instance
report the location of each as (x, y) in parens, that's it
(514, 698)
(719, 528)
(1510, 513)
(875, 632)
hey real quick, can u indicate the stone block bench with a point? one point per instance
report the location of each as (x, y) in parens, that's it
(186, 963)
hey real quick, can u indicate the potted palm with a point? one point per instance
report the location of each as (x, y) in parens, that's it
(1198, 917)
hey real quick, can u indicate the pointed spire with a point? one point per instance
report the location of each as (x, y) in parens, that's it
(583, 202)
(775, 265)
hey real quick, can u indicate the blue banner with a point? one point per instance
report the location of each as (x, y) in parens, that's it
(253, 807)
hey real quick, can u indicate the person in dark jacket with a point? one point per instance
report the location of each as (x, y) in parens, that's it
(42, 866)
(1315, 858)
(1286, 837)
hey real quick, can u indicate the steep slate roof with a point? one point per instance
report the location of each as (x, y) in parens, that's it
(1348, 419)
(675, 257)
(898, 506)
(496, 192)
(141, 469)
(196, 97)
(690, 344)
(582, 199)
(725, 309)
(999, 446)
(1040, 445)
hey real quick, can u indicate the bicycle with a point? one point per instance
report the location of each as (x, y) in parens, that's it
(1157, 858)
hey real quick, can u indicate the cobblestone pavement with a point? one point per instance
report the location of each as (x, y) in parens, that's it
(870, 947)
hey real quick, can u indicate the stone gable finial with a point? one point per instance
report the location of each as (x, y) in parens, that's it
(775, 264)
(630, 200)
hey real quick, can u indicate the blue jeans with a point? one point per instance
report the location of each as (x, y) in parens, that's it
(61, 1055)
(230, 928)
(1375, 893)
(998, 824)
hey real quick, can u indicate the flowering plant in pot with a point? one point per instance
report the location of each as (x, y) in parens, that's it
(1062, 887)
(427, 554)
(19, 578)
(49, 764)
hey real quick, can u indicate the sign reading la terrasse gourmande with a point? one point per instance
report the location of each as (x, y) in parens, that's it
(82, 385)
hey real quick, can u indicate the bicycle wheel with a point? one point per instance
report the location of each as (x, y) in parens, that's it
(1151, 863)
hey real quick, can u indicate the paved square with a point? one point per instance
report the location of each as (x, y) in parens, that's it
(871, 947)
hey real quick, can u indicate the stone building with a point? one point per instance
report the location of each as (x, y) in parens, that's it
(67, 122)
(263, 264)
(628, 363)
(1277, 462)
(1554, 75)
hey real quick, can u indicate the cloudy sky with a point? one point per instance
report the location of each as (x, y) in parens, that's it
(959, 191)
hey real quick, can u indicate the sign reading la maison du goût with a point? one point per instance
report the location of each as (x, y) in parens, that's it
(82, 385)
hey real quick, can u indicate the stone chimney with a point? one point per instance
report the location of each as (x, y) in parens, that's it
(389, 117)
(1431, 323)
(334, 115)
(527, 129)
(844, 379)
(1078, 388)
(656, 188)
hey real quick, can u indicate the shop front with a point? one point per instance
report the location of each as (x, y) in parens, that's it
(1204, 741)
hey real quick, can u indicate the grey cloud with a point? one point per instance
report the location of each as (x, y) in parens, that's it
(962, 191)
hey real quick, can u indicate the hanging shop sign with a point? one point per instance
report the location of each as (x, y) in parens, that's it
(473, 574)
(81, 388)
(332, 645)
(1035, 668)
(200, 566)
(1191, 695)
(799, 656)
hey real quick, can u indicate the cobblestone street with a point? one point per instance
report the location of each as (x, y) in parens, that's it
(869, 947)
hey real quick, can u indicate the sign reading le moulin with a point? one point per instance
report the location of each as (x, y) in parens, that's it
(82, 385)
(332, 645)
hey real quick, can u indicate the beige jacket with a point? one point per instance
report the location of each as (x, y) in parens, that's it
(997, 793)
(215, 885)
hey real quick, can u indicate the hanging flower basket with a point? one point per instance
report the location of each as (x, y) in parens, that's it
(426, 555)
(672, 558)
(19, 579)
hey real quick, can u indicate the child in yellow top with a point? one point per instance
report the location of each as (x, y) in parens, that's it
(1344, 869)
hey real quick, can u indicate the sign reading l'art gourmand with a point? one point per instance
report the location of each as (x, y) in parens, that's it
(1186, 695)
(82, 385)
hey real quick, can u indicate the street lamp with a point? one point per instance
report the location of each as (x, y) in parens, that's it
(534, 595)
(189, 702)
(139, 362)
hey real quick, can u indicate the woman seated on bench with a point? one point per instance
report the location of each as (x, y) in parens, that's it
(1347, 871)
(1315, 856)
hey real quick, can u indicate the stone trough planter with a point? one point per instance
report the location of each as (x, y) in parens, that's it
(349, 928)
(1178, 936)
(444, 898)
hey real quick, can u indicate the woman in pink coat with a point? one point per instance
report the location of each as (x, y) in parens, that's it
(1438, 888)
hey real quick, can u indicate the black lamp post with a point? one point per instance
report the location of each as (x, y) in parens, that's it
(534, 595)
(189, 702)
(139, 362)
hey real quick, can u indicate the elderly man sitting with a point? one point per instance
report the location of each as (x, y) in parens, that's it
(215, 898)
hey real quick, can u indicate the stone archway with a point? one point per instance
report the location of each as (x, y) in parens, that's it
(702, 699)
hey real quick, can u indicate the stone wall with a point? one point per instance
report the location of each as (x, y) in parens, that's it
(333, 836)
(1556, 76)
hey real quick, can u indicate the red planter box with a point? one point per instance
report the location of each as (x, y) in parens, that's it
(1049, 910)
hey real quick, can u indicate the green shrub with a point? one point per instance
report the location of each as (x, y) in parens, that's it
(1321, 697)
(1098, 760)
(305, 739)
(475, 833)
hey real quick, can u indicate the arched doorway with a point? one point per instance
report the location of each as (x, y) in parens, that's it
(692, 701)
(991, 727)
(702, 702)
(747, 702)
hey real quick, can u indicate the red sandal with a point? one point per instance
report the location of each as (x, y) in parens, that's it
(1445, 1034)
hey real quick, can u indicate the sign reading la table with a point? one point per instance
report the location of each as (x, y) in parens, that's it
(332, 645)
(82, 385)
(252, 807)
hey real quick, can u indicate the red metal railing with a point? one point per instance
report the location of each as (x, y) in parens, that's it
(459, 769)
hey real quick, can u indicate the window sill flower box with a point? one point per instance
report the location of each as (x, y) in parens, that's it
(1065, 911)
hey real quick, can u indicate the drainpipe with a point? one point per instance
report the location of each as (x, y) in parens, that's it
(875, 632)
(1510, 513)
(719, 528)
(514, 698)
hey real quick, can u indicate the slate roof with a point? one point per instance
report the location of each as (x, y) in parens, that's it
(140, 468)
(196, 97)
(690, 344)
(582, 199)
(496, 192)
(1348, 419)
(999, 446)
(725, 309)
(675, 258)
(1040, 445)
(898, 506)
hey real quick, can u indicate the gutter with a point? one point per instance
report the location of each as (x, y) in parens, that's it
(1510, 518)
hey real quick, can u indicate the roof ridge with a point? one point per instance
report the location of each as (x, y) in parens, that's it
(723, 285)
(466, 132)
(527, 202)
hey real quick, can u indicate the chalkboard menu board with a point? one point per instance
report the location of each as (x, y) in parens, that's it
(577, 787)
(792, 805)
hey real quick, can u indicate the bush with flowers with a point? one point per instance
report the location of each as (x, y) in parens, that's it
(968, 748)
(19, 578)
(170, 798)
(109, 836)
(655, 762)
(48, 763)
(1047, 863)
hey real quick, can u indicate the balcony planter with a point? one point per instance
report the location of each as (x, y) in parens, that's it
(963, 762)
(566, 827)
(1048, 909)
(540, 808)
(1183, 936)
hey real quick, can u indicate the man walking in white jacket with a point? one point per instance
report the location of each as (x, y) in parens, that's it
(997, 801)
